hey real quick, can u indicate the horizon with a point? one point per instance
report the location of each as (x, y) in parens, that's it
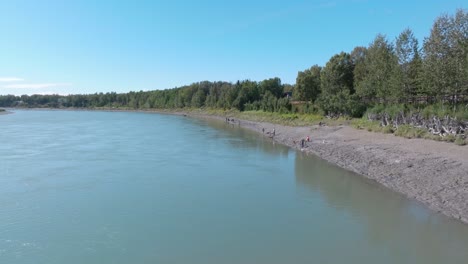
(86, 48)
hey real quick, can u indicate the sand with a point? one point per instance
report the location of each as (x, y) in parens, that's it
(431, 172)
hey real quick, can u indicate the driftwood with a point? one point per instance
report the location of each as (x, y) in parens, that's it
(435, 125)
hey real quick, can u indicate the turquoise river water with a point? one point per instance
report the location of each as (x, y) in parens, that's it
(119, 187)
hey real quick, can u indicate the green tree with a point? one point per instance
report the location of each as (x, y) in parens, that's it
(198, 99)
(381, 64)
(248, 93)
(337, 75)
(337, 81)
(272, 85)
(410, 65)
(358, 57)
(445, 56)
(308, 84)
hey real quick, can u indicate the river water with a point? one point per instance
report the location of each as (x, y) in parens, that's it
(119, 187)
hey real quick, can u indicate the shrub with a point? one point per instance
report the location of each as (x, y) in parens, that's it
(408, 131)
(449, 138)
(460, 141)
(388, 130)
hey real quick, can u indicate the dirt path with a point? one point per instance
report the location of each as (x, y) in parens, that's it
(434, 173)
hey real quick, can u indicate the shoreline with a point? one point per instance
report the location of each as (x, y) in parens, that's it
(6, 112)
(433, 173)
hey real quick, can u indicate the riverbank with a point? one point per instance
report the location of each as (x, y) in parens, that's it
(433, 173)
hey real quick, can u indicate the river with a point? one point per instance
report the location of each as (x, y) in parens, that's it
(123, 187)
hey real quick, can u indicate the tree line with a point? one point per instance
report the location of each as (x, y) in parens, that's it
(385, 71)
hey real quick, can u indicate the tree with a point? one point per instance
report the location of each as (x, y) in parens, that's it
(248, 93)
(380, 64)
(272, 85)
(358, 58)
(337, 75)
(337, 80)
(212, 97)
(445, 56)
(409, 60)
(308, 84)
(198, 99)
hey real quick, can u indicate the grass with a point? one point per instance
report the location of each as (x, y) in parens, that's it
(427, 111)
(461, 141)
(364, 124)
(288, 119)
(440, 110)
(405, 131)
(296, 119)
(2, 110)
(283, 119)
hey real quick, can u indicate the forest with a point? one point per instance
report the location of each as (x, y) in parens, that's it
(385, 73)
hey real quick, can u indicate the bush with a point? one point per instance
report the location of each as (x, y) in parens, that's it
(449, 138)
(460, 141)
(342, 103)
(408, 131)
(388, 130)
(371, 126)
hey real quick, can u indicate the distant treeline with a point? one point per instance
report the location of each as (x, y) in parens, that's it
(387, 72)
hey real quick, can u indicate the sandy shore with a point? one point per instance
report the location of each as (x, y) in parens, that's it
(434, 173)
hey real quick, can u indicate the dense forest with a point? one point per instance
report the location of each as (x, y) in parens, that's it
(385, 72)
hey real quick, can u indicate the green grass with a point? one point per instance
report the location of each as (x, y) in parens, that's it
(283, 119)
(427, 111)
(287, 119)
(295, 119)
(408, 131)
(461, 141)
(440, 110)
(364, 124)
(459, 112)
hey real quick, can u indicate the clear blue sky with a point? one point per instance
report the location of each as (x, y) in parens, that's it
(101, 46)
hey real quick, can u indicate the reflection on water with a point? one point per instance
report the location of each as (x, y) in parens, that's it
(390, 221)
(246, 139)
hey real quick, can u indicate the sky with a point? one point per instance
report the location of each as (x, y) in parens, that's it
(82, 47)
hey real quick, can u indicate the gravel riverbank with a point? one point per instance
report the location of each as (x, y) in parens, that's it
(433, 173)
